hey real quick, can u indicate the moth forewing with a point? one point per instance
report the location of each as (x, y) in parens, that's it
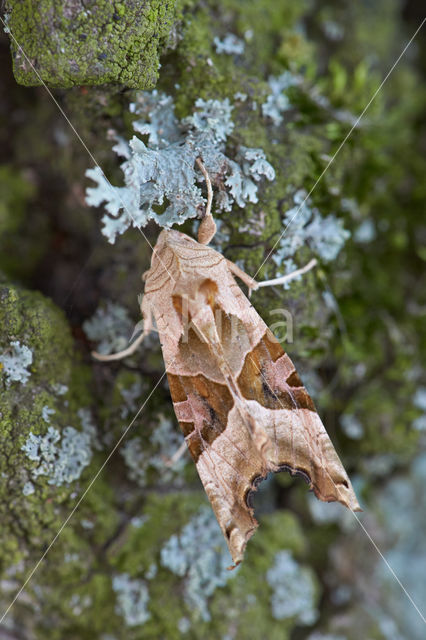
(241, 405)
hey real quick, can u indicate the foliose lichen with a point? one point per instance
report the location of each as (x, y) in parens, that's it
(161, 178)
(277, 102)
(28, 489)
(406, 551)
(200, 556)
(419, 402)
(351, 426)
(366, 232)
(46, 412)
(184, 625)
(229, 44)
(141, 459)
(14, 363)
(294, 590)
(303, 225)
(132, 599)
(110, 328)
(61, 463)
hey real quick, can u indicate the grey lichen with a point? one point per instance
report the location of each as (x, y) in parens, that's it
(184, 625)
(136, 459)
(305, 226)
(294, 589)
(366, 232)
(15, 362)
(61, 456)
(200, 556)
(404, 528)
(229, 44)
(251, 166)
(108, 328)
(46, 412)
(160, 176)
(278, 102)
(28, 489)
(89, 427)
(78, 603)
(132, 599)
(131, 394)
(165, 441)
(60, 463)
(60, 389)
(419, 402)
(351, 426)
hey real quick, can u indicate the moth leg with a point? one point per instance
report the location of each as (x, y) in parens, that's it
(254, 284)
(148, 327)
(170, 462)
(121, 354)
(289, 276)
(207, 227)
(251, 283)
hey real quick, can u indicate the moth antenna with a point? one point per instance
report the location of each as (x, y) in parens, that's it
(207, 228)
(121, 354)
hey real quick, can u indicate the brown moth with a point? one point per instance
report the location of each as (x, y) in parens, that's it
(239, 401)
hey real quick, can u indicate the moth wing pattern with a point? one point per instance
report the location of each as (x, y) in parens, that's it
(240, 403)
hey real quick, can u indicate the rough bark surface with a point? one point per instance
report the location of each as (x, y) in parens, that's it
(143, 557)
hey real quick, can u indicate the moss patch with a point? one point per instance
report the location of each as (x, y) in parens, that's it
(76, 43)
(35, 322)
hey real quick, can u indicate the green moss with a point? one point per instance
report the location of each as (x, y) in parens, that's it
(29, 317)
(202, 73)
(249, 591)
(67, 45)
(35, 322)
(246, 591)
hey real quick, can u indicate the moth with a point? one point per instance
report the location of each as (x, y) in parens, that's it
(240, 403)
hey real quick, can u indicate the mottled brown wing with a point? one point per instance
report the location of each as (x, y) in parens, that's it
(222, 449)
(247, 425)
(277, 398)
